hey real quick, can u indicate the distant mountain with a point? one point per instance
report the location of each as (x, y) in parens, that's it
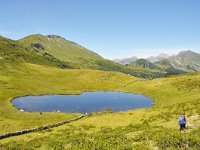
(186, 60)
(156, 69)
(143, 63)
(125, 61)
(163, 64)
(168, 67)
(158, 58)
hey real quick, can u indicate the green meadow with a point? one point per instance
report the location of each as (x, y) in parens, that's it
(150, 128)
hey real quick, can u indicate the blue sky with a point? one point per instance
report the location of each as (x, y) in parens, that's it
(114, 29)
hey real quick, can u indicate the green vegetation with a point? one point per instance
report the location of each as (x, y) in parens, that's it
(23, 71)
(143, 63)
(63, 50)
(136, 129)
(19, 81)
(12, 52)
(146, 69)
(71, 54)
(55, 51)
(138, 136)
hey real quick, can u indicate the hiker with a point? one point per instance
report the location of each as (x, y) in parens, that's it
(182, 122)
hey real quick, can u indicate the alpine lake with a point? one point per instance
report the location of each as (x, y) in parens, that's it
(86, 102)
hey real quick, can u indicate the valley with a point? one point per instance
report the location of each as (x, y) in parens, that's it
(99, 75)
(27, 71)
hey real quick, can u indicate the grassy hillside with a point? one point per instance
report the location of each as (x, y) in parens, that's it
(147, 69)
(135, 129)
(72, 54)
(61, 49)
(55, 51)
(143, 63)
(26, 70)
(29, 79)
(12, 52)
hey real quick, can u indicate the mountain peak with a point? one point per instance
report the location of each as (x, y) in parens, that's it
(55, 36)
(41, 36)
(163, 55)
(186, 52)
(36, 35)
(125, 61)
(158, 58)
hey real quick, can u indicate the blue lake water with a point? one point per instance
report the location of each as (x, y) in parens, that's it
(86, 102)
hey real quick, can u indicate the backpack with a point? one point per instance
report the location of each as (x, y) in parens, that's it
(182, 120)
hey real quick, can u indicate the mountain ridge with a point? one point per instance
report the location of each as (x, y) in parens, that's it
(125, 61)
(184, 61)
(55, 51)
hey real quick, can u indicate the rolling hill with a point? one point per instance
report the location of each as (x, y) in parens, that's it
(146, 67)
(72, 54)
(30, 70)
(148, 128)
(55, 51)
(143, 63)
(66, 51)
(13, 52)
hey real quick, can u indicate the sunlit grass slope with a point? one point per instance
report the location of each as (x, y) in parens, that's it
(29, 79)
(135, 129)
(56, 51)
(25, 70)
(60, 48)
(72, 54)
(12, 52)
